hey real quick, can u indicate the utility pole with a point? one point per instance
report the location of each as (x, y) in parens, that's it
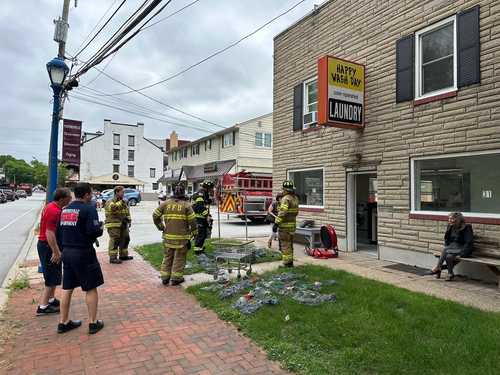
(60, 35)
(64, 19)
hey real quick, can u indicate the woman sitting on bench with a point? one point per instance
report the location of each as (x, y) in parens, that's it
(458, 242)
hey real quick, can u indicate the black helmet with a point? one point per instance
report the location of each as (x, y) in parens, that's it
(288, 185)
(179, 191)
(207, 184)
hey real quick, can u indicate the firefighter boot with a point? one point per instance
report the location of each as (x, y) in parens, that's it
(114, 260)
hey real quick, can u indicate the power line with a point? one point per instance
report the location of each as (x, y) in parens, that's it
(120, 100)
(135, 113)
(104, 51)
(170, 15)
(80, 50)
(159, 101)
(213, 54)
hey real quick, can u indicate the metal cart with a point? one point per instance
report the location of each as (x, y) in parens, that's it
(233, 256)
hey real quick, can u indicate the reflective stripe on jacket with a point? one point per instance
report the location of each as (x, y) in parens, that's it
(287, 213)
(116, 211)
(177, 220)
(200, 206)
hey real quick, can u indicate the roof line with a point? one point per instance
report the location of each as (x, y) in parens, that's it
(316, 10)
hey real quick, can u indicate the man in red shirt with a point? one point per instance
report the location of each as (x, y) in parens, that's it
(49, 251)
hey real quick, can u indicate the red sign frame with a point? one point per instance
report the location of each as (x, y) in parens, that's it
(323, 102)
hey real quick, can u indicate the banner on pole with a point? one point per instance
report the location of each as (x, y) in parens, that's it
(72, 134)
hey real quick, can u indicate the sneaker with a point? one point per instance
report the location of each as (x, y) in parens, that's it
(72, 324)
(95, 327)
(115, 261)
(177, 281)
(126, 257)
(55, 303)
(165, 281)
(50, 309)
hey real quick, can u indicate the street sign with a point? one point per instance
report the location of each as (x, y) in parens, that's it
(72, 133)
(341, 93)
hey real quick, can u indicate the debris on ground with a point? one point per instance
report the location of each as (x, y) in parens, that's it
(256, 293)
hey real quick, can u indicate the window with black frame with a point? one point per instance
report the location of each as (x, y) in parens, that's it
(469, 184)
(309, 186)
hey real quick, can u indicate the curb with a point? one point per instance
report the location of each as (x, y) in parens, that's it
(11, 275)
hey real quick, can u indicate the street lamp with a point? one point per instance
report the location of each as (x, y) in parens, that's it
(58, 70)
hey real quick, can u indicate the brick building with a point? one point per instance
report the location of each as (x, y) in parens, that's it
(430, 143)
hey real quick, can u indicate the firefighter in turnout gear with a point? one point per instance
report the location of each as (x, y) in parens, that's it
(286, 222)
(176, 219)
(117, 223)
(201, 207)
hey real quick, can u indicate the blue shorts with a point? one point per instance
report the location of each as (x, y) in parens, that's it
(81, 269)
(51, 272)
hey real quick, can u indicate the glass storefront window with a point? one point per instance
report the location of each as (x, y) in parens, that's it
(309, 186)
(469, 184)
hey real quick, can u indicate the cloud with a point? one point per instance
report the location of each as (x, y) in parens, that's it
(230, 88)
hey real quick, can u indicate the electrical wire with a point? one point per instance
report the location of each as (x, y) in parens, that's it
(211, 56)
(170, 15)
(116, 49)
(99, 101)
(97, 24)
(125, 24)
(80, 50)
(74, 96)
(120, 100)
(159, 101)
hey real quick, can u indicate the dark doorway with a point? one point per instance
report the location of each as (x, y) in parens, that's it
(366, 212)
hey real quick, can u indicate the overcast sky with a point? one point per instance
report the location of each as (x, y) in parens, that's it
(230, 88)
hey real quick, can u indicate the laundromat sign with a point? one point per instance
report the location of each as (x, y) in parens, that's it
(341, 93)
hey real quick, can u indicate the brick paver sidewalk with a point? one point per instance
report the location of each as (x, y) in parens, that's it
(149, 329)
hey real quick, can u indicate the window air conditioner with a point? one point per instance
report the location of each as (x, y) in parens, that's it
(310, 119)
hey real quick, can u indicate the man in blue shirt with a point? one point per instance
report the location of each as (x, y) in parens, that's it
(79, 228)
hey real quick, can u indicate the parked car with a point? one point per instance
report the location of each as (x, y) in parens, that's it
(3, 198)
(21, 194)
(9, 194)
(132, 196)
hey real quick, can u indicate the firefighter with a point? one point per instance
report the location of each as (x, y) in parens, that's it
(176, 219)
(117, 223)
(201, 207)
(286, 222)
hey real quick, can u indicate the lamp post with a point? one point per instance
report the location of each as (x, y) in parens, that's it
(57, 70)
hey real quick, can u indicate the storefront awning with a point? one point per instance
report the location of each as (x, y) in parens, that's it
(207, 171)
(115, 179)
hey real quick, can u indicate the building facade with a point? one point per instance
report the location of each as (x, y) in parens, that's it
(121, 149)
(430, 143)
(244, 146)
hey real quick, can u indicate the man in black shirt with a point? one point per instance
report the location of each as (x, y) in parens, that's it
(80, 227)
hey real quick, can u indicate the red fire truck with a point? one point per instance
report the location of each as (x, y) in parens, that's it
(248, 195)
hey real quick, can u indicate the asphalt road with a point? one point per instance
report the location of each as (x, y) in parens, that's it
(16, 220)
(144, 232)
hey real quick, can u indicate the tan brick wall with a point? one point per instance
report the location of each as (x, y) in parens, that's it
(366, 32)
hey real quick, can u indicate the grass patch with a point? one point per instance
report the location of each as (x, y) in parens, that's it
(373, 328)
(20, 282)
(153, 253)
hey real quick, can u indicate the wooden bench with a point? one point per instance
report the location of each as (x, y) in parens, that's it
(487, 252)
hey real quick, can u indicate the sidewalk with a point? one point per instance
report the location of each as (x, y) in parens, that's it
(149, 329)
(467, 292)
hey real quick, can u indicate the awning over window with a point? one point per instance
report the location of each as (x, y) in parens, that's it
(207, 171)
(115, 179)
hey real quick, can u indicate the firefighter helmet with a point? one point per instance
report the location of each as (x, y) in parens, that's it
(179, 191)
(288, 185)
(207, 184)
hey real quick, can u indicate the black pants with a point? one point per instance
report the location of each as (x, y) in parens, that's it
(199, 241)
(450, 260)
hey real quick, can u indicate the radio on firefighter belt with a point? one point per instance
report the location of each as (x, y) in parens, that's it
(329, 241)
